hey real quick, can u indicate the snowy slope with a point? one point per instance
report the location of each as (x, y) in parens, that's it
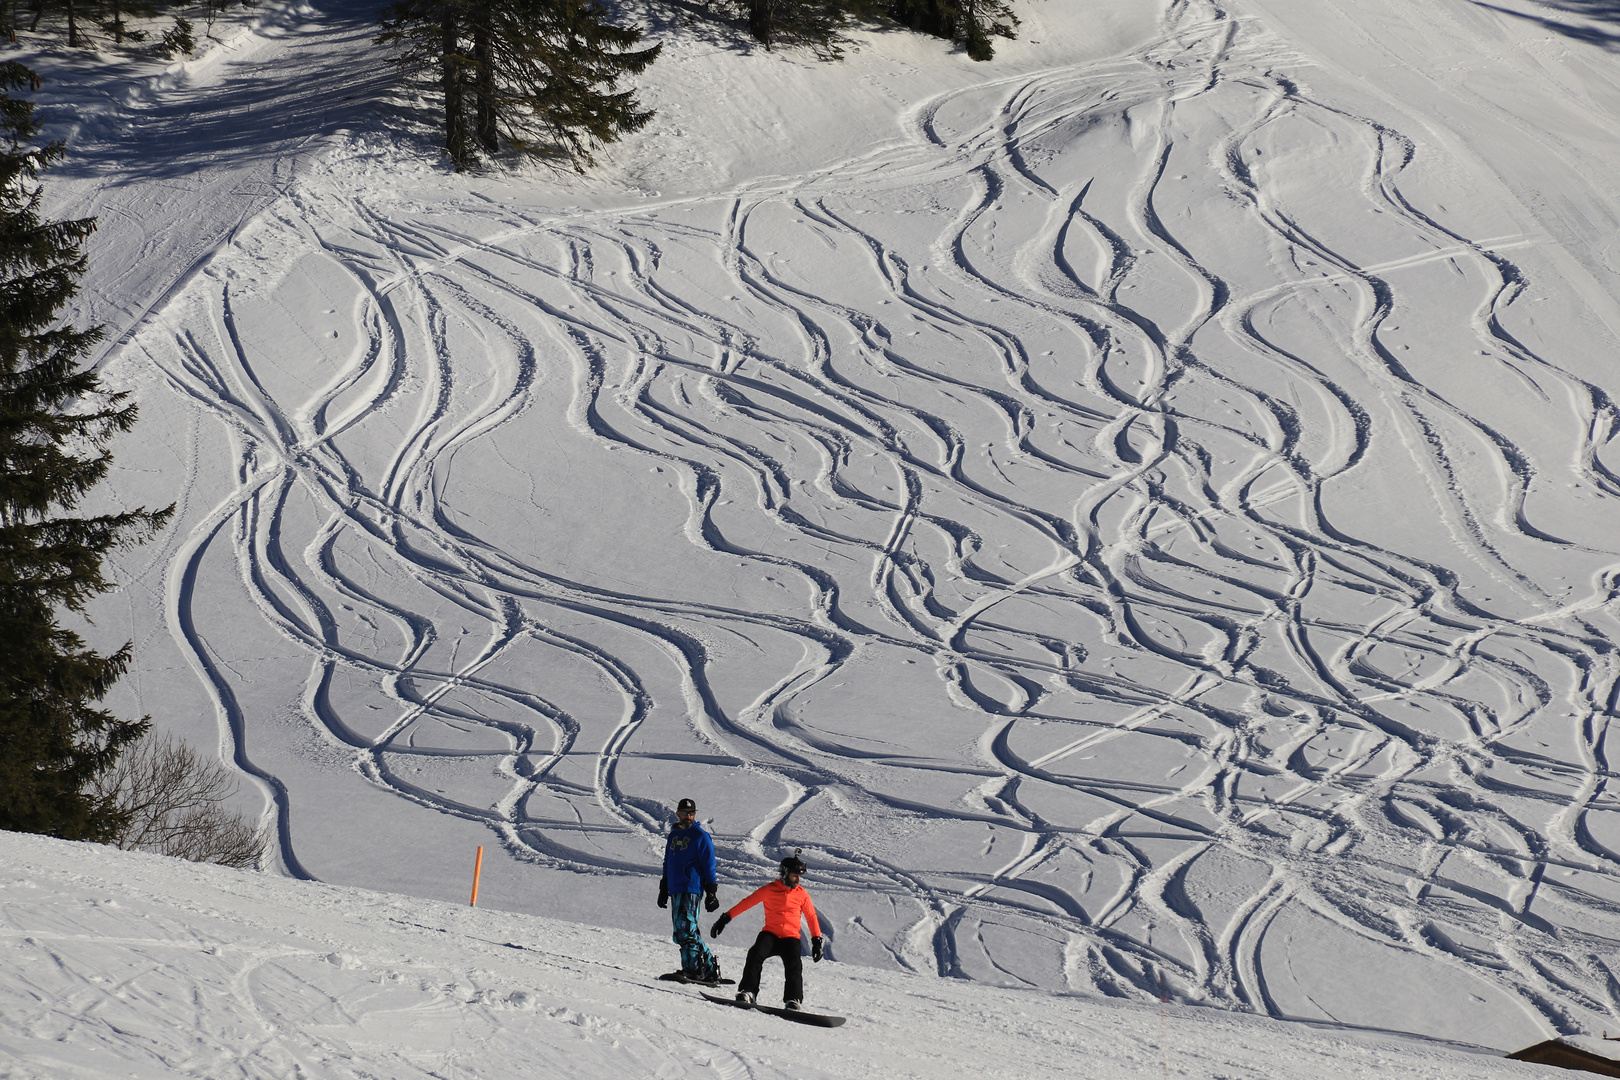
(140, 967)
(172, 158)
(1140, 514)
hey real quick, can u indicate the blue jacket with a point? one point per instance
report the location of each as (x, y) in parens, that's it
(688, 859)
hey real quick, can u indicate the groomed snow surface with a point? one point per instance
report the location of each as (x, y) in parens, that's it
(136, 967)
(1142, 514)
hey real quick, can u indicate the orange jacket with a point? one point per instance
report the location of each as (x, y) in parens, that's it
(783, 906)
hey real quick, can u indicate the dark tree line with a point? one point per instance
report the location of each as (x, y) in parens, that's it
(543, 77)
(55, 424)
(537, 76)
(820, 24)
(88, 23)
(969, 23)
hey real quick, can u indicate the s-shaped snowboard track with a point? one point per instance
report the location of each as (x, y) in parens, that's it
(998, 516)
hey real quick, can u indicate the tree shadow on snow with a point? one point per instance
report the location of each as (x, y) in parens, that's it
(1605, 12)
(248, 111)
(691, 20)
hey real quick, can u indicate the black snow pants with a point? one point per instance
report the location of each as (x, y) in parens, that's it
(765, 946)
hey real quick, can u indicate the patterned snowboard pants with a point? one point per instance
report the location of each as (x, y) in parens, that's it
(695, 955)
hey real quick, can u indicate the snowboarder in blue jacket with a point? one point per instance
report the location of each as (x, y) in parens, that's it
(689, 871)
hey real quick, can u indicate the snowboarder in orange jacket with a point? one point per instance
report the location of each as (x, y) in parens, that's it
(786, 902)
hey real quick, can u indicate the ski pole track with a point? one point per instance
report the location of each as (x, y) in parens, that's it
(1177, 647)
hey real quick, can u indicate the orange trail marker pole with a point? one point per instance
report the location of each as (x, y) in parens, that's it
(1164, 1024)
(478, 868)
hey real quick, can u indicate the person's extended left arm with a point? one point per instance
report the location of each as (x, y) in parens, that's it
(737, 909)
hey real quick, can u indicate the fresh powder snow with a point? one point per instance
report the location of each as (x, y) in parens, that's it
(1141, 514)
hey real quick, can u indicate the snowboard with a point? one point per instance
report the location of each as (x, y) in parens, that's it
(798, 1016)
(677, 977)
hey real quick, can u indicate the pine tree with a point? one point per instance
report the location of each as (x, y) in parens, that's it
(538, 75)
(969, 23)
(55, 423)
(818, 25)
(116, 15)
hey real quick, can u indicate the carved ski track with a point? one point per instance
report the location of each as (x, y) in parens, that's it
(1413, 395)
(1145, 482)
(293, 625)
(952, 465)
(754, 276)
(378, 772)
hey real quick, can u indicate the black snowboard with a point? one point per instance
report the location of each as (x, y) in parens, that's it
(676, 976)
(798, 1016)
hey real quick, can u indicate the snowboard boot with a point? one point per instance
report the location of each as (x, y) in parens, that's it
(745, 998)
(791, 1006)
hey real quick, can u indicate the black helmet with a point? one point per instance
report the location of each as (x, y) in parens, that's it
(793, 864)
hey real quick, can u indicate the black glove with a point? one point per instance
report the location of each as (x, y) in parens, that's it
(815, 950)
(719, 925)
(663, 892)
(711, 902)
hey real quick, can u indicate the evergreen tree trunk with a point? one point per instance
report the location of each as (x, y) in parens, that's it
(484, 106)
(761, 20)
(971, 32)
(970, 23)
(542, 74)
(73, 25)
(455, 114)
